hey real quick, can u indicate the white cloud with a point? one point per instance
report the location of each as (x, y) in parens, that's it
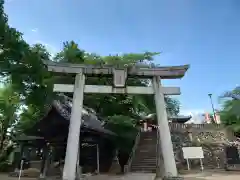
(191, 111)
(34, 30)
(8, 1)
(33, 36)
(51, 48)
(197, 115)
(36, 38)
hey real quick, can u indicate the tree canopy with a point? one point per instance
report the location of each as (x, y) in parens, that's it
(230, 114)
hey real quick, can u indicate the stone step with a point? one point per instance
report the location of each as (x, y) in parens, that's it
(144, 167)
(146, 150)
(149, 152)
(143, 162)
(145, 155)
(149, 132)
(153, 166)
(148, 139)
(147, 144)
(150, 164)
(153, 144)
(146, 159)
(153, 150)
(144, 171)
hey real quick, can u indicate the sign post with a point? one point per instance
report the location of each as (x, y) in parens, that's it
(193, 153)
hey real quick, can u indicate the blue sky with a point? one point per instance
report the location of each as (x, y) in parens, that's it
(202, 33)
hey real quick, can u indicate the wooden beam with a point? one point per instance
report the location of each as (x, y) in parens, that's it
(166, 72)
(109, 89)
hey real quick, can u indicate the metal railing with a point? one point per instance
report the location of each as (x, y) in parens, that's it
(131, 156)
(179, 126)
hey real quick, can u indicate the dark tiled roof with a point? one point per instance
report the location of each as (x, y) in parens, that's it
(178, 118)
(89, 117)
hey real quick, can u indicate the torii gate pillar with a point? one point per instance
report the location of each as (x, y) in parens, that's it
(164, 132)
(71, 158)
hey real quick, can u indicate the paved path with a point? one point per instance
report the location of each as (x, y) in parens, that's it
(5, 177)
(132, 176)
(148, 176)
(196, 176)
(213, 176)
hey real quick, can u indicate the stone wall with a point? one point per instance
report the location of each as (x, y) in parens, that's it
(210, 136)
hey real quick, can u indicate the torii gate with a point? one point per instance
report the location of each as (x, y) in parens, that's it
(120, 76)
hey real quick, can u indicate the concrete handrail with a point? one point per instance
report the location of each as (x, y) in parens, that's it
(131, 156)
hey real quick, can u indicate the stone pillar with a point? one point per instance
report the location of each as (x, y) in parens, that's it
(17, 157)
(45, 163)
(190, 135)
(98, 159)
(145, 126)
(69, 171)
(22, 154)
(164, 131)
(42, 175)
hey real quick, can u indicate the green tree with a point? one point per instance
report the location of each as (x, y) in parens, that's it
(230, 114)
(9, 104)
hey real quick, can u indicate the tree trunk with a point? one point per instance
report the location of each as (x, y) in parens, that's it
(2, 142)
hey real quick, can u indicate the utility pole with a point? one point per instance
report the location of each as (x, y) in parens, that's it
(214, 114)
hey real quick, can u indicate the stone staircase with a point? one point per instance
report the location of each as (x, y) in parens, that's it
(145, 158)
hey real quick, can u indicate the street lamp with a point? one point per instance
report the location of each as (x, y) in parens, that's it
(214, 114)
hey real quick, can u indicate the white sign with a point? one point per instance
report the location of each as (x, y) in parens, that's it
(193, 153)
